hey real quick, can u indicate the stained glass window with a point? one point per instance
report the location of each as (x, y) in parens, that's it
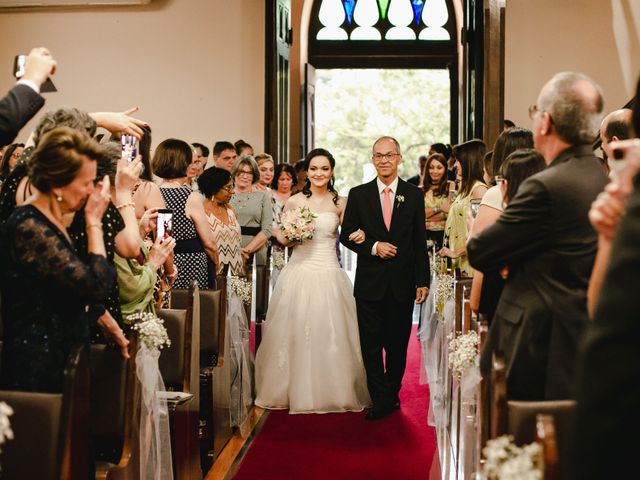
(383, 20)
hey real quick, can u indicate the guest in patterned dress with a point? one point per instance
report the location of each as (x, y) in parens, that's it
(436, 188)
(216, 185)
(195, 245)
(253, 210)
(469, 156)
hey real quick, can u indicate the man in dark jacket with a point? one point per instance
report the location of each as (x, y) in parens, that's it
(545, 239)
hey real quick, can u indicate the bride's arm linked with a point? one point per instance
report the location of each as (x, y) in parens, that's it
(350, 226)
(356, 237)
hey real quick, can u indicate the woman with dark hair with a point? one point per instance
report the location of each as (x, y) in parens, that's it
(45, 285)
(492, 204)
(10, 159)
(217, 187)
(253, 209)
(469, 156)
(437, 200)
(284, 179)
(146, 194)
(195, 244)
(309, 360)
(243, 148)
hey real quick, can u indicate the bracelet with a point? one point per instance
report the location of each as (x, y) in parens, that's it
(95, 225)
(124, 205)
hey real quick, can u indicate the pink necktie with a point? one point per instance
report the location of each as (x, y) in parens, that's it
(386, 207)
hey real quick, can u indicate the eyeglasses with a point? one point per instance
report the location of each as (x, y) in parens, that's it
(499, 179)
(229, 188)
(244, 172)
(533, 109)
(378, 157)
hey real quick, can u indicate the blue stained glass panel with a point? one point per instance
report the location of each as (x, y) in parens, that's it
(417, 5)
(349, 6)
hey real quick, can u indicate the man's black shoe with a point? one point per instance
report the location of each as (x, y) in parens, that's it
(396, 405)
(378, 411)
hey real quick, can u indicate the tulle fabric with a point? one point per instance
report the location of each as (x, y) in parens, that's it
(309, 360)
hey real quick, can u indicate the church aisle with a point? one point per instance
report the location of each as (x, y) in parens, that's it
(345, 446)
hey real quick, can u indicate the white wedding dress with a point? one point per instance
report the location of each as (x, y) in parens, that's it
(309, 360)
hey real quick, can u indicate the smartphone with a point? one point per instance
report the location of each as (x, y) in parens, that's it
(129, 147)
(164, 223)
(475, 206)
(19, 67)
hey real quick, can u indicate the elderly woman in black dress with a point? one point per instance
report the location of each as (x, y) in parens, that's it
(45, 285)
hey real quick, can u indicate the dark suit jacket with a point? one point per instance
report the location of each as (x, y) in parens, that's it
(16, 109)
(545, 238)
(605, 441)
(415, 180)
(410, 268)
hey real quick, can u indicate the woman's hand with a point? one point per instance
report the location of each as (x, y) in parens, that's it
(160, 251)
(358, 237)
(128, 173)
(245, 254)
(121, 122)
(149, 221)
(113, 333)
(447, 252)
(97, 202)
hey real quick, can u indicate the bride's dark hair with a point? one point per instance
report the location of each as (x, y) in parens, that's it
(320, 152)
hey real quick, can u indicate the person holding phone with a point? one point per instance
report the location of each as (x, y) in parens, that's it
(469, 156)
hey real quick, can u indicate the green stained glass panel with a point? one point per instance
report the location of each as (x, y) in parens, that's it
(384, 6)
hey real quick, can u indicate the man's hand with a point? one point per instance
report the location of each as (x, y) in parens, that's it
(607, 210)
(421, 294)
(40, 66)
(113, 333)
(386, 250)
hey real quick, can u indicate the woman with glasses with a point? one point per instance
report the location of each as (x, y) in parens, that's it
(10, 159)
(253, 209)
(216, 186)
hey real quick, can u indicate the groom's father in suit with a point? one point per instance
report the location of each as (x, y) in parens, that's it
(392, 272)
(545, 238)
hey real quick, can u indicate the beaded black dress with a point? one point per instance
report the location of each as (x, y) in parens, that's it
(45, 291)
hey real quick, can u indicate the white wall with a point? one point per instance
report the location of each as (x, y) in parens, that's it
(544, 37)
(194, 67)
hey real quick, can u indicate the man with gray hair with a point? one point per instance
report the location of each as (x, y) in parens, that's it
(545, 240)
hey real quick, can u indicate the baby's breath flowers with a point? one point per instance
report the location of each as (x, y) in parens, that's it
(444, 290)
(151, 330)
(5, 425)
(463, 351)
(277, 258)
(241, 288)
(504, 460)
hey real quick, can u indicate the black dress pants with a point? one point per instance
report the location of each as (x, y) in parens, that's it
(384, 325)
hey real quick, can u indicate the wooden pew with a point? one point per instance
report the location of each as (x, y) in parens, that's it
(180, 368)
(51, 429)
(115, 412)
(215, 429)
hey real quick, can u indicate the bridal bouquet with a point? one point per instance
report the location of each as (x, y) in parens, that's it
(151, 330)
(298, 225)
(504, 460)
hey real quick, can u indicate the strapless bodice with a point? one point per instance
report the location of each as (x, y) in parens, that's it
(320, 251)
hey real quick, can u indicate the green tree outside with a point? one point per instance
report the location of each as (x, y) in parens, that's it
(356, 106)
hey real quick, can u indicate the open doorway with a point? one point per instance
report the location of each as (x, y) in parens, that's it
(353, 107)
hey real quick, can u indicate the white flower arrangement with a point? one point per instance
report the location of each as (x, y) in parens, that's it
(504, 460)
(298, 225)
(400, 199)
(241, 288)
(151, 330)
(5, 425)
(444, 290)
(277, 258)
(463, 352)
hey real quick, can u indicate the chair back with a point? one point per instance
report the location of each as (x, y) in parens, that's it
(51, 430)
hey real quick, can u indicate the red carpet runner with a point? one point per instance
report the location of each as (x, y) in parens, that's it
(344, 445)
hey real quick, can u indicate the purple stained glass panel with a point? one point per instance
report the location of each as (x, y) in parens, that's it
(349, 6)
(417, 5)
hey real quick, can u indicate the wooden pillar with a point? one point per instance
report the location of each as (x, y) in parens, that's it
(493, 70)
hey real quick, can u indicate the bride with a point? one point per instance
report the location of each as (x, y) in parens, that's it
(309, 360)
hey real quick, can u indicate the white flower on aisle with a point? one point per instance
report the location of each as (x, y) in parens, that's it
(151, 330)
(241, 288)
(463, 352)
(5, 425)
(504, 460)
(444, 291)
(298, 225)
(277, 258)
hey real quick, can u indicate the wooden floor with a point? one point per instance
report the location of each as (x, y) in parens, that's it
(227, 463)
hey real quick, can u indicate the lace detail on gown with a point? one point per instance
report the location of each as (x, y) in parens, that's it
(309, 360)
